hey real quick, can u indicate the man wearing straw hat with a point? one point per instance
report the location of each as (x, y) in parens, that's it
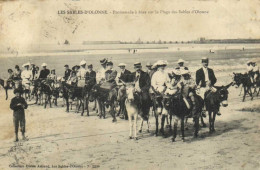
(181, 65)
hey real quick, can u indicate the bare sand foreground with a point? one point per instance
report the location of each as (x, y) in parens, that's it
(66, 140)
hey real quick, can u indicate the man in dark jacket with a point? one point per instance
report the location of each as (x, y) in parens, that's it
(44, 72)
(124, 76)
(205, 78)
(67, 72)
(18, 104)
(90, 77)
(142, 85)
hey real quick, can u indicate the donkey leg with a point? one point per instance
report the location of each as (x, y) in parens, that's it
(82, 113)
(213, 121)
(131, 127)
(162, 124)
(87, 103)
(141, 126)
(210, 122)
(135, 126)
(49, 97)
(244, 96)
(157, 124)
(196, 126)
(175, 126)
(182, 129)
(148, 126)
(202, 122)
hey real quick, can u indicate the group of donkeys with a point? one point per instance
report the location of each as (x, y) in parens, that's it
(47, 92)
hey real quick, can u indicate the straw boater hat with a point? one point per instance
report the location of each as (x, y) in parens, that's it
(66, 65)
(204, 59)
(44, 64)
(181, 61)
(103, 61)
(26, 64)
(83, 62)
(137, 65)
(121, 65)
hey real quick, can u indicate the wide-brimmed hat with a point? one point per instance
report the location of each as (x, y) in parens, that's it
(83, 62)
(121, 65)
(90, 65)
(76, 66)
(44, 64)
(161, 63)
(103, 61)
(180, 61)
(66, 65)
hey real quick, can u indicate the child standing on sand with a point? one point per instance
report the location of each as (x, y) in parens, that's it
(18, 104)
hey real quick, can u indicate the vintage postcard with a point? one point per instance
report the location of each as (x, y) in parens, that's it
(139, 84)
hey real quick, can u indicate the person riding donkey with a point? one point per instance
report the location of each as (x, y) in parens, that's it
(82, 73)
(142, 85)
(187, 88)
(205, 80)
(159, 83)
(26, 76)
(122, 78)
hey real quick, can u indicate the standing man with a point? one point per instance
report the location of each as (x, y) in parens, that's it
(44, 72)
(142, 85)
(205, 78)
(67, 72)
(18, 104)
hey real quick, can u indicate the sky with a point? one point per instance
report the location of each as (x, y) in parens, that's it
(28, 23)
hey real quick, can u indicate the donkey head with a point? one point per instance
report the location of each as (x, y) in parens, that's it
(222, 94)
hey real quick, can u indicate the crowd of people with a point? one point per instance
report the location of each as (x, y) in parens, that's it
(155, 80)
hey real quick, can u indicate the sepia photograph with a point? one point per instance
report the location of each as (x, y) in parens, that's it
(140, 84)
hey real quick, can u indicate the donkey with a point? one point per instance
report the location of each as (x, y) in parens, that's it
(245, 81)
(134, 107)
(105, 98)
(213, 100)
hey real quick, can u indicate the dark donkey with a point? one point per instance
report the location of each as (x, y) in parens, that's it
(245, 81)
(213, 100)
(178, 109)
(105, 98)
(71, 92)
(7, 85)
